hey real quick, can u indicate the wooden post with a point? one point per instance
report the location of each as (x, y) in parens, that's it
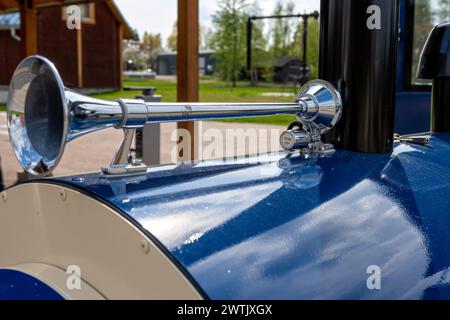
(28, 26)
(187, 63)
(120, 47)
(79, 58)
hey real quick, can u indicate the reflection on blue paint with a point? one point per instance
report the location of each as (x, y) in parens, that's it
(290, 228)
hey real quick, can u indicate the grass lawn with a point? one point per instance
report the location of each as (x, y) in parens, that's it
(210, 91)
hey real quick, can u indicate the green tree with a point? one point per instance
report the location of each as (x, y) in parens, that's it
(260, 57)
(229, 38)
(135, 35)
(276, 32)
(288, 27)
(152, 45)
(205, 37)
(443, 11)
(312, 54)
(172, 38)
(205, 34)
(281, 30)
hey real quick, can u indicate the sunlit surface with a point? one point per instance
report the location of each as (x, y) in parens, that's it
(295, 228)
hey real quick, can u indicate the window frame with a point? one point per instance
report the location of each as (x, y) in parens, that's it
(408, 84)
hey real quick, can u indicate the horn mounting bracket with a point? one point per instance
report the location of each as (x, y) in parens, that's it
(306, 137)
(123, 164)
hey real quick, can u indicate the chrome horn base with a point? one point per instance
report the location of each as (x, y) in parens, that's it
(134, 168)
(305, 139)
(123, 164)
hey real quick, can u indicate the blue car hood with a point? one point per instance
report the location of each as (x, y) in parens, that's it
(286, 227)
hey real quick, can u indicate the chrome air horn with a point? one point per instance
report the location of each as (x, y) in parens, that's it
(43, 116)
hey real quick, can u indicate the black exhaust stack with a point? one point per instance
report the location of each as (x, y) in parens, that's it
(358, 54)
(435, 65)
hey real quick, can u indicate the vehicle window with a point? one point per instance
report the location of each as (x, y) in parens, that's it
(428, 13)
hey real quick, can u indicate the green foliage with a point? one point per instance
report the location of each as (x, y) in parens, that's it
(172, 38)
(135, 35)
(139, 59)
(443, 12)
(284, 38)
(152, 44)
(229, 38)
(2, 107)
(282, 31)
(205, 37)
(261, 60)
(313, 45)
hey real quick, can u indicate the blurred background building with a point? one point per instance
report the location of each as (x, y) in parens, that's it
(89, 57)
(166, 63)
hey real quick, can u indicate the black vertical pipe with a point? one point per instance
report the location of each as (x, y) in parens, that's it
(361, 62)
(305, 40)
(249, 43)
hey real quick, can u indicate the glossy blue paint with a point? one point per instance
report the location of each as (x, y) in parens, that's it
(289, 228)
(412, 112)
(16, 285)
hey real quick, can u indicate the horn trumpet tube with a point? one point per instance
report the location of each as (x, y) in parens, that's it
(43, 115)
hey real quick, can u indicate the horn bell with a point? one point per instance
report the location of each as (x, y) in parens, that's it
(43, 115)
(37, 115)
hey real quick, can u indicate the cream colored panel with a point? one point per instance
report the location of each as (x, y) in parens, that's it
(49, 224)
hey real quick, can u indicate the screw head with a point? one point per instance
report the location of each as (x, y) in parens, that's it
(4, 197)
(63, 194)
(145, 246)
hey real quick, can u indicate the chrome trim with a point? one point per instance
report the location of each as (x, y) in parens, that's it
(324, 104)
(291, 140)
(124, 108)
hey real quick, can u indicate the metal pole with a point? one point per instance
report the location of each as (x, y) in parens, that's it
(135, 113)
(305, 40)
(249, 43)
(360, 60)
(208, 111)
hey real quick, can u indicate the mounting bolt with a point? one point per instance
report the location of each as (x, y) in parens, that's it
(145, 246)
(4, 197)
(63, 194)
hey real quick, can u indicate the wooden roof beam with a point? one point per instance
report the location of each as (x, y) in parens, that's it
(28, 24)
